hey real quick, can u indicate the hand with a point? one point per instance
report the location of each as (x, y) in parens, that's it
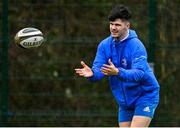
(85, 71)
(109, 69)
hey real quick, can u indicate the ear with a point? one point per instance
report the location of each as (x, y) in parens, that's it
(128, 25)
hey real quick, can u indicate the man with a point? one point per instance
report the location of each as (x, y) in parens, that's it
(123, 58)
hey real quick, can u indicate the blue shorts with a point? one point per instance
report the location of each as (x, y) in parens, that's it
(144, 109)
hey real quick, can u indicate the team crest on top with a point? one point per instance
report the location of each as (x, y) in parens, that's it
(124, 62)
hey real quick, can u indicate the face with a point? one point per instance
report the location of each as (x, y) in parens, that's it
(119, 28)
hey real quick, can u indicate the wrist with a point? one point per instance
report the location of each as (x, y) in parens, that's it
(117, 71)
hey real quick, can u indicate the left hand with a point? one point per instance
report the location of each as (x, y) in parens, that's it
(109, 69)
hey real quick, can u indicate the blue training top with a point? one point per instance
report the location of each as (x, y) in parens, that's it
(135, 79)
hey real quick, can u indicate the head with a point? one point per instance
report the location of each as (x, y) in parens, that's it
(119, 21)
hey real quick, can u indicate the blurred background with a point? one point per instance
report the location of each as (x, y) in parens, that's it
(38, 87)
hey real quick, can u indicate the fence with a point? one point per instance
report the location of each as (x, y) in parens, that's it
(43, 89)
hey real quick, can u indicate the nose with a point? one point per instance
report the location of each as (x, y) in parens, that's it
(113, 26)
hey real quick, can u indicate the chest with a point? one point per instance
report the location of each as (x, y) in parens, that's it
(120, 55)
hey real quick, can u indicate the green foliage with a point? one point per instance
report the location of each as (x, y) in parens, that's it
(45, 91)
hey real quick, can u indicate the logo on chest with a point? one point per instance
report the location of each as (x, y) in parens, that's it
(124, 62)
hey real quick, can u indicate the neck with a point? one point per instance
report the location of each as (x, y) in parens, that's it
(124, 36)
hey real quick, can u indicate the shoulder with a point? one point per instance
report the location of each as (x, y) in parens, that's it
(105, 42)
(135, 44)
(133, 40)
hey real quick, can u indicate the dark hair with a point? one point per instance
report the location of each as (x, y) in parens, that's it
(119, 11)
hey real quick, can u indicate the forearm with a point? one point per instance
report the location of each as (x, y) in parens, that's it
(97, 75)
(133, 75)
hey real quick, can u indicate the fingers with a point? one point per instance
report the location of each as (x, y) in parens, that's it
(105, 71)
(79, 72)
(110, 62)
(111, 65)
(108, 69)
(82, 71)
(107, 66)
(83, 64)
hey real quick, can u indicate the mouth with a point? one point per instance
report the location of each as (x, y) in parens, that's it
(114, 33)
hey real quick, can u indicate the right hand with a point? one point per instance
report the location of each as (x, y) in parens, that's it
(85, 71)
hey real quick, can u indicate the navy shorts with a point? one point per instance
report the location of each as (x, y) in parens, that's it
(143, 109)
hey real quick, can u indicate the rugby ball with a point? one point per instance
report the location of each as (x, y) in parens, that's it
(29, 38)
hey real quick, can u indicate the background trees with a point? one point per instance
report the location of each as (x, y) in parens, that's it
(43, 88)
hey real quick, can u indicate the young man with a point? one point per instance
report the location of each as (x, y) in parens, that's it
(123, 58)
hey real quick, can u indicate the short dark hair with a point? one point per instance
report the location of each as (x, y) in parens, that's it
(119, 11)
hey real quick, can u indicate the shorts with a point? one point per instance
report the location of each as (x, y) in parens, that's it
(144, 109)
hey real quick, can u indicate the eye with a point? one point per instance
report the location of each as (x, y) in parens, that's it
(118, 25)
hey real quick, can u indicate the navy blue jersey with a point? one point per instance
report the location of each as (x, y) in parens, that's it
(135, 78)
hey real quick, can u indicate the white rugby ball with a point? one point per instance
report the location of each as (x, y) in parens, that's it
(29, 38)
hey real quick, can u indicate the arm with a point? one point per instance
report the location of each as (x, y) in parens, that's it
(100, 59)
(93, 74)
(138, 67)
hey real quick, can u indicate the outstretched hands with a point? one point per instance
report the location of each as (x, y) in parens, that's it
(85, 71)
(109, 69)
(105, 69)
